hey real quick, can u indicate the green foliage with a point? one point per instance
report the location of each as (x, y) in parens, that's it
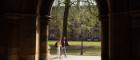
(81, 20)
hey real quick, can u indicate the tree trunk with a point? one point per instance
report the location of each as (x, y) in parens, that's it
(65, 20)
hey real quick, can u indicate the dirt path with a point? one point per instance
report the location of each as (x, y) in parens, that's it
(73, 57)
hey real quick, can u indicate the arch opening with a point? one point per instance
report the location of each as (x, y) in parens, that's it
(80, 14)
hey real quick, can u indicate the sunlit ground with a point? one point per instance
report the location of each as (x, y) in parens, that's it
(91, 48)
(75, 57)
(91, 51)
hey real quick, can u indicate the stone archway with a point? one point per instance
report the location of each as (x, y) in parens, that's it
(18, 23)
(120, 25)
(103, 9)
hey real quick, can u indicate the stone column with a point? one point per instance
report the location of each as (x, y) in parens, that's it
(44, 18)
(103, 16)
(44, 21)
(105, 37)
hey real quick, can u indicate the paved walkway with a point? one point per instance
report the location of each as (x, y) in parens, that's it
(72, 57)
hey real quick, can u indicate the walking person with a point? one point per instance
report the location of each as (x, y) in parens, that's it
(61, 48)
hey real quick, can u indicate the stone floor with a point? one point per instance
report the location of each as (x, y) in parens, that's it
(74, 57)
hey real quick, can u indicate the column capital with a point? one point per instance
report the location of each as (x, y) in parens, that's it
(45, 19)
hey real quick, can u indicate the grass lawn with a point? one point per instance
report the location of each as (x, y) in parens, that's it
(91, 48)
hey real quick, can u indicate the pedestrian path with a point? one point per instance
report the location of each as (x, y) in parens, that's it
(74, 57)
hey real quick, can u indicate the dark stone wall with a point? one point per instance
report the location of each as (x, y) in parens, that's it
(17, 29)
(135, 28)
(17, 6)
(18, 38)
(135, 31)
(120, 29)
(124, 29)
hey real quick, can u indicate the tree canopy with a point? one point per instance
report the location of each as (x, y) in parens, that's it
(82, 19)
